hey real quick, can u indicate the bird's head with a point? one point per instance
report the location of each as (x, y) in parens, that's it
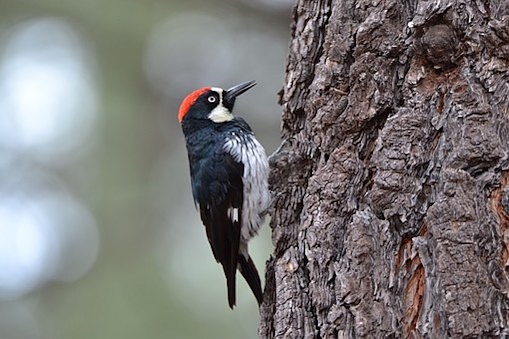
(212, 103)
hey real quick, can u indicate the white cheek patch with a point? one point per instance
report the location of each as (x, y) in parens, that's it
(220, 114)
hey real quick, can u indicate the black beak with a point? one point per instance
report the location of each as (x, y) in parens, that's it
(235, 91)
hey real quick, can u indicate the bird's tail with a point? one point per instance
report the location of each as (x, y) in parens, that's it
(230, 271)
(248, 270)
(230, 283)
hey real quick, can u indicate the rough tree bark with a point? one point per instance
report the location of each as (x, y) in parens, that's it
(391, 187)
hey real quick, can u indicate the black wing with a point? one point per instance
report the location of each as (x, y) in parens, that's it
(220, 204)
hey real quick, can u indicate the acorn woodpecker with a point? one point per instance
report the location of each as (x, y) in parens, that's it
(229, 171)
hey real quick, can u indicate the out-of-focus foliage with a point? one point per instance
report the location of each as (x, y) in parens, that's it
(99, 237)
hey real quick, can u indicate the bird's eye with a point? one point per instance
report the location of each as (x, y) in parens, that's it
(212, 98)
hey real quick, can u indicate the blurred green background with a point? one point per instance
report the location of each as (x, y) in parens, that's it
(99, 237)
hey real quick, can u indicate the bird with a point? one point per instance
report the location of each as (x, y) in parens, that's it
(229, 179)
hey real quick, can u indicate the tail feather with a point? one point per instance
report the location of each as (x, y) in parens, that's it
(248, 270)
(230, 283)
(231, 272)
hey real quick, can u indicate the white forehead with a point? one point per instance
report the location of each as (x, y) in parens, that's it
(217, 89)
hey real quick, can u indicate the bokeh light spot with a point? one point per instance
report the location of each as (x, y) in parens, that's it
(46, 91)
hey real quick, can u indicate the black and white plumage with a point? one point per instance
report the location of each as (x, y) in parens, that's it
(229, 171)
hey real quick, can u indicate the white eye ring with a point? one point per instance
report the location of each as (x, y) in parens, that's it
(212, 99)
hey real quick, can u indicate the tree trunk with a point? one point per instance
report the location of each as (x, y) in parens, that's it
(391, 187)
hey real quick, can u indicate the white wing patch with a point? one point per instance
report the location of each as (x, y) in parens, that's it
(251, 154)
(233, 214)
